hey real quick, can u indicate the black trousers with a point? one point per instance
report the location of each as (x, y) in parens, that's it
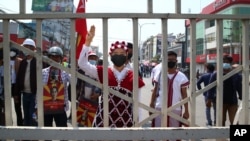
(18, 107)
(60, 120)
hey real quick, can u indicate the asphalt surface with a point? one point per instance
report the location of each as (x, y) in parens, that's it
(146, 96)
(146, 92)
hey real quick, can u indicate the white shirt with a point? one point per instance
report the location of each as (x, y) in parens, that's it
(27, 88)
(91, 70)
(156, 70)
(179, 82)
(12, 71)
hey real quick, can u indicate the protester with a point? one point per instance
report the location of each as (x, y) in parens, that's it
(197, 74)
(129, 63)
(55, 80)
(156, 70)
(177, 90)
(88, 95)
(26, 83)
(231, 87)
(14, 67)
(2, 105)
(100, 61)
(120, 80)
(205, 78)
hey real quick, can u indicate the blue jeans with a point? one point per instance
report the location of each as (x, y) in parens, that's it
(29, 101)
(208, 111)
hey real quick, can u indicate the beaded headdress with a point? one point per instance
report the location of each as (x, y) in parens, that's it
(118, 44)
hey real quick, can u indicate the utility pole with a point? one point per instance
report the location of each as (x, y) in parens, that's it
(140, 40)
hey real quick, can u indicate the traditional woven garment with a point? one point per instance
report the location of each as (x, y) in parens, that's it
(120, 111)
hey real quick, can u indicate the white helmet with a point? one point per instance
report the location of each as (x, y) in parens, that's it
(29, 42)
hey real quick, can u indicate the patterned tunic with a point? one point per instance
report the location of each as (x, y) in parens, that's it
(120, 110)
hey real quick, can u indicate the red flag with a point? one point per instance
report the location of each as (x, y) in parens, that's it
(81, 28)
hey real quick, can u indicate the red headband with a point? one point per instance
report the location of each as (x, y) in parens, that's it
(118, 44)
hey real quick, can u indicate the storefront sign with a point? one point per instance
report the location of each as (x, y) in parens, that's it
(219, 3)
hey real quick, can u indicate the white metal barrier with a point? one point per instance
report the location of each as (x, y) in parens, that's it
(136, 133)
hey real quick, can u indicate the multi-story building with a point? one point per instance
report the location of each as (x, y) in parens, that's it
(55, 32)
(206, 32)
(151, 48)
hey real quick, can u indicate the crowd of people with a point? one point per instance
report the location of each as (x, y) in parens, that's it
(232, 91)
(56, 83)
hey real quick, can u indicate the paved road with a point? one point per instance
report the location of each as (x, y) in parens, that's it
(146, 95)
(146, 92)
(200, 105)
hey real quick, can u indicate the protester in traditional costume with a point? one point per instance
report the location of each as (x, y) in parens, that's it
(177, 90)
(120, 79)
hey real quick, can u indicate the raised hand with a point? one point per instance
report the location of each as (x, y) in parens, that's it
(90, 35)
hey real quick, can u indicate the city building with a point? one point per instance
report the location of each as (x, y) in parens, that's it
(151, 48)
(206, 32)
(55, 32)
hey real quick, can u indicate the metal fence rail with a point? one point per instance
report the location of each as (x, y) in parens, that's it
(136, 133)
(71, 133)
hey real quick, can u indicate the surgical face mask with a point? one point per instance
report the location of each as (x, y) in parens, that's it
(93, 62)
(118, 60)
(171, 64)
(12, 54)
(227, 66)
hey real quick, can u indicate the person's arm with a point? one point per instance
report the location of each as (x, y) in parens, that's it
(211, 92)
(154, 95)
(198, 84)
(184, 95)
(83, 63)
(239, 86)
(155, 91)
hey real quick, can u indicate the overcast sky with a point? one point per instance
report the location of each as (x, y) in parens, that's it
(122, 29)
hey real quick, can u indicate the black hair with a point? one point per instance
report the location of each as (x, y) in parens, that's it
(228, 58)
(172, 53)
(14, 50)
(210, 67)
(129, 45)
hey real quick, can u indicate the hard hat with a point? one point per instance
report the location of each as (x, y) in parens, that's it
(55, 50)
(29, 42)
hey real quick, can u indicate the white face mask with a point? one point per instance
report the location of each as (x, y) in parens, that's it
(93, 62)
(12, 53)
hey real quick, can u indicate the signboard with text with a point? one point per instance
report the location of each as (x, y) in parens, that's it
(52, 5)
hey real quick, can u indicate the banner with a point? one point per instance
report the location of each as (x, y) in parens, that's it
(81, 28)
(53, 98)
(86, 112)
(52, 5)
